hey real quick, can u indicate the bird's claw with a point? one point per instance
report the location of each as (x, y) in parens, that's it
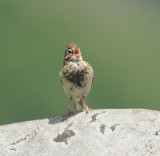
(68, 113)
(87, 109)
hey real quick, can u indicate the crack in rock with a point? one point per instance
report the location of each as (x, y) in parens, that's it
(65, 135)
(12, 149)
(157, 133)
(114, 127)
(95, 116)
(20, 140)
(102, 128)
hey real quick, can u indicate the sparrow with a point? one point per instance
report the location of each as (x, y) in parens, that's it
(76, 77)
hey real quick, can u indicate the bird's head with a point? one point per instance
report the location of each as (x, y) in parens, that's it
(72, 53)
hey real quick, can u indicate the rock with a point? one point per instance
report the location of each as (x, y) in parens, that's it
(121, 132)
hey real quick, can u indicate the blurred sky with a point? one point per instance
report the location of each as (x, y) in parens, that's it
(120, 39)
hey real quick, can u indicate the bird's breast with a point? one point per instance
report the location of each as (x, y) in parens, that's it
(76, 77)
(76, 73)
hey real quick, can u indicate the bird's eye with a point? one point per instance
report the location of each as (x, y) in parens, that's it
(69, 51)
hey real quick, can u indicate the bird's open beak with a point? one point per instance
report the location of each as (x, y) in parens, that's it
(77, 52)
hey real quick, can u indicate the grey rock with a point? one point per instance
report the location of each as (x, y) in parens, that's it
(110, 132)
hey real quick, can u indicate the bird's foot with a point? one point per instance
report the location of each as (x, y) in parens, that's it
(87, 109)
(68, 113)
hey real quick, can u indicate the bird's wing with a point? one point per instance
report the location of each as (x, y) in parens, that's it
(89, 72)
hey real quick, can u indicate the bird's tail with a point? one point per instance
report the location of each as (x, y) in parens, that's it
(79, 104)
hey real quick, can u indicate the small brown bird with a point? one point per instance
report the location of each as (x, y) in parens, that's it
(76, 77)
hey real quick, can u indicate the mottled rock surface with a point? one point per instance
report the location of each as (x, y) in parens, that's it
(110, 132)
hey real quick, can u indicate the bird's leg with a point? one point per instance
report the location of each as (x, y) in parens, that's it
(68, 110)
(86, 107)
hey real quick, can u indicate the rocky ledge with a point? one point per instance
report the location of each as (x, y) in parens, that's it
(108, 132)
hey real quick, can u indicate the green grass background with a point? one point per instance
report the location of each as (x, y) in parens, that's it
(120, 39)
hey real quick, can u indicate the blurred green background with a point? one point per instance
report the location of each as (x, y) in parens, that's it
(120, 39)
